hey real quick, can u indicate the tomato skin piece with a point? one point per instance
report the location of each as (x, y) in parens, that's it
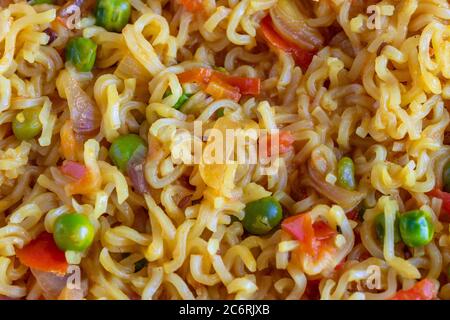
(315, 238)
(73, 169)
(302, 57)
(192, 5)
(250, 86)
(323, 231)
(221, 85)
(285, 142)
(300, 226)
(88, 184)
(444, 196)
(199, 75)
(43, 254)
(219, 89)
(422, 290)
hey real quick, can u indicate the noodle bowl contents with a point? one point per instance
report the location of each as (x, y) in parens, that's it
(255, 149)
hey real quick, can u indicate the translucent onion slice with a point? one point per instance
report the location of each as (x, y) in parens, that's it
(135, 170)
(51, 283)
(343, 197)
(291, 24)
(84, 113)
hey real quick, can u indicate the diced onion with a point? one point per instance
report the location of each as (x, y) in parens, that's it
(291, 24)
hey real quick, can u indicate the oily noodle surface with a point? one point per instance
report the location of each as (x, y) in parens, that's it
(378, 96)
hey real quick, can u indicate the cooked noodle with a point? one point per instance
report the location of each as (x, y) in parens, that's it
(380, 96)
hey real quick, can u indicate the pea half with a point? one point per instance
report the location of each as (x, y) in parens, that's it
(113, 15)
(446, 177)
(346, 173)
(73, 231)
(380, 227)
(82, 53)
(26, 124)
(262, 215)
(416, 228)
(123, 148)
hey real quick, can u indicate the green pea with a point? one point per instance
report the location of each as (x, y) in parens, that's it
(141, 264)
(26, 124)
(380, 227)
(416, 228)
(123, 148)
(346, 174)
(446, 177)
(262, 215)
(73, 231)
(82, 53)
(113, 15)
(33, 2)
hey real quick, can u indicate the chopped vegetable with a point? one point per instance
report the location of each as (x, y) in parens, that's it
(68, 141)
(313, 237)
(123, 148)
(135, 170)
(87, 184)
(285, 142)
(446, 177)
(345, 198)
(141, 264)
(52, 35)
(26, 124)
(416, 228)
(346, 174)
(51, 283)
(220, 69)
(220, 85)
(251, 86)
(33, 2)
(220, 112)
(380, 227)
(356, 214)
(291, 23)
(262, 215)
(128, 152)
(422, 290)
(192, 5)
(73, 169)
(66, 10)
(301, 56)
(43, 254)
(301, 228)
(182, 100)
(444, 196)
(84, 114)
(219, 89)
(73, 231)
(82, 53)
(200, 76)
(113, 15)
